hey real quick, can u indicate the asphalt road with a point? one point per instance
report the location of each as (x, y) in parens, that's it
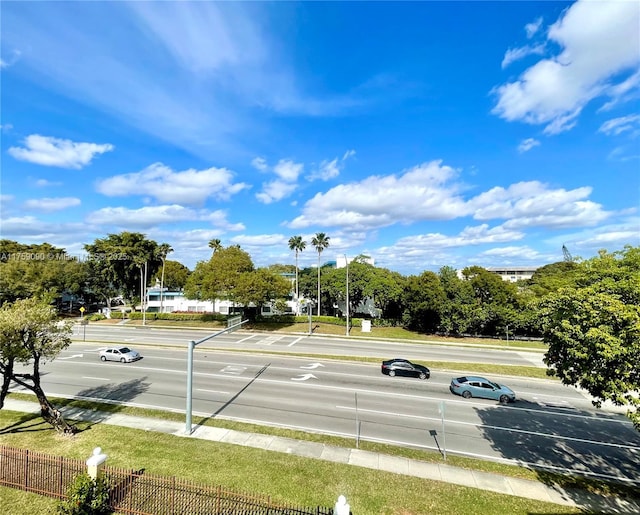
(314, 344)
(550, 424)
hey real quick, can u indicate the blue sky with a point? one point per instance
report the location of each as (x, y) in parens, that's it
(422, 134)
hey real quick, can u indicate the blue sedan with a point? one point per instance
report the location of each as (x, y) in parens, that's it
(473, 386)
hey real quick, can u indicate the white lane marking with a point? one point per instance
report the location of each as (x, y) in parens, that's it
(485, 426)
(467, 402)
(247, 338)
(303, 377)
(72, 356)
(312, 366)
(233, 370)
(212, 391)
(294, 342)
(269, 340)
(96, 378)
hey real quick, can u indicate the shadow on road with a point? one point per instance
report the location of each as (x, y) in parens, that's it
(230, 401)
(557, 441)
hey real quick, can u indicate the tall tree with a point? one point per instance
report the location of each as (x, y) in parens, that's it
(593, 330)
(163, 250)
(297, 244)
(320, 241)
(118, 261)
(215, 244)
(175, 276)
(30, 335)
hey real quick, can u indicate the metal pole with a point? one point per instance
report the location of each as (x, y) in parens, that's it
(309, 308)
(347, 263)
(444, 437)
(144, 298)
(357, 423)
(192, 344)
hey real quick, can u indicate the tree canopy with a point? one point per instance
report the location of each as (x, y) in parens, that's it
(593, 329)
(30, 335)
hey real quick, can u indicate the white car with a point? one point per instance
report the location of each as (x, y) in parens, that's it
(121, 354)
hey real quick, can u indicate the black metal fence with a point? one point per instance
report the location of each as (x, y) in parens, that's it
(136, 492)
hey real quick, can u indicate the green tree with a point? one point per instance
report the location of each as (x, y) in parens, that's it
(423, 297)
(297, 244)
(593, 330)
(215, 244)
(550, 278)
(218, 277)
(162, 251)
(38, 269)
(117, 263)
(175, 276)
(260, 287)
(30, 335)
(320, 241)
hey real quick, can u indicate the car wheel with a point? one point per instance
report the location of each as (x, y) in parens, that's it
(122, 360)
(103, 358)
(392, 373)
(423, 375)
(467, 394)
(504, 399)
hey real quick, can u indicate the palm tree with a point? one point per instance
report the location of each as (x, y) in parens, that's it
(320, 241)
(215, 244)
(163, 250)
(298, 244)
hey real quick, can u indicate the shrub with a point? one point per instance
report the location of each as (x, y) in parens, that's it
(95, 317)
(86, 496)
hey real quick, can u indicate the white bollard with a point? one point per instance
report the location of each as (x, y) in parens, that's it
(342, 506)
(95, 463)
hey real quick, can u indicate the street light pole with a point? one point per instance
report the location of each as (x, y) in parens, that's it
(347, 264)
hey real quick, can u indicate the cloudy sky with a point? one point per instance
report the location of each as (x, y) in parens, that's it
(422, 134)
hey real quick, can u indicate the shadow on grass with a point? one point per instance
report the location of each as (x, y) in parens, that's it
(569, 448)
(23, 425)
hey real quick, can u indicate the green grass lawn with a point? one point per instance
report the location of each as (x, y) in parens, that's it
(286, 478)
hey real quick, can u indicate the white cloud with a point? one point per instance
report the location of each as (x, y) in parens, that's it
(532, 28)
(527, 144)
(330, 169)
(15, 56)
(475, 235)
(64, 153)
(260, 240)
(162, 183)
(515, 54)
(600, 45)
(259, 163)
(275, 190)
(616, 126)
(52, 204)
(6, 127)
(287, 170)
(430, 192)
(421, 193)
(44, 183)
(519, 252)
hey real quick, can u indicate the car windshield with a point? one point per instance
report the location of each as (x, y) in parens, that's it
(495, 385)
(124, 350)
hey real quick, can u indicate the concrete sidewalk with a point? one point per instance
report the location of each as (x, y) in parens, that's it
(359, 458)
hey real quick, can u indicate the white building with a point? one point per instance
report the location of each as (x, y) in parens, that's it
(514, 273)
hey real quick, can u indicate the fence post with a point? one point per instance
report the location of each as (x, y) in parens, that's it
(95, 463)
(342, 506)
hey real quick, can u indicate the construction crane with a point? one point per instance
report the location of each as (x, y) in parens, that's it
(567, 254)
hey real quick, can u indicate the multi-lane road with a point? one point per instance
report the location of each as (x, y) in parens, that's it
(550, 425)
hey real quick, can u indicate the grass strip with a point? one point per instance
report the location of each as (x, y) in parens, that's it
(286, 478)
(549, 478)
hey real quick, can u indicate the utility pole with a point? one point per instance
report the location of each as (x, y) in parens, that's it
(347, 265)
